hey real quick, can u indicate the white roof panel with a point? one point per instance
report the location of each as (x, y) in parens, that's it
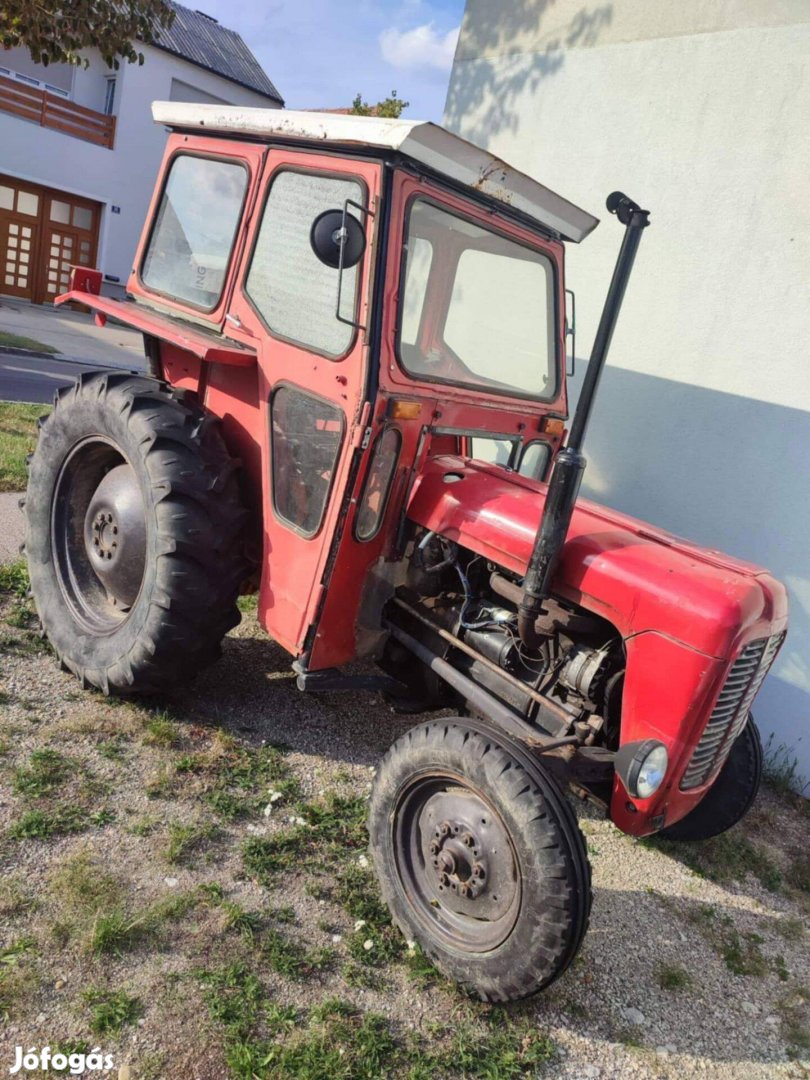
(424, 142)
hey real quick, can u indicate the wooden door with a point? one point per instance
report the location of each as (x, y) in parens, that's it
(69, 238)
(20, 209)
(43, 233)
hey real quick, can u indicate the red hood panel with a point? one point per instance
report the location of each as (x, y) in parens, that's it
(636, 576)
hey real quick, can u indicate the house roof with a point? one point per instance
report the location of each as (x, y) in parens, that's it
(429, 144)
(203, 41)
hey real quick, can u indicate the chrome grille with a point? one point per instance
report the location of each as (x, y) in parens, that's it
(731, 710)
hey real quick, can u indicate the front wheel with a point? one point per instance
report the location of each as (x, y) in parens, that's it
(730, 797)
(480, 858)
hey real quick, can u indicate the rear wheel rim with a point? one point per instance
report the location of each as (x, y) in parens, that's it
(456, 863)
(98, 535)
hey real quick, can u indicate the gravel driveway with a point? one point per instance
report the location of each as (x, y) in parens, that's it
(213, 952)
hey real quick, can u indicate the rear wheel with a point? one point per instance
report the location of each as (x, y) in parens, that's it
(732, 794)
(480, 858)
(134, 533)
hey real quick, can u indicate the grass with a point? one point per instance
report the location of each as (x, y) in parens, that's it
(19, 341)
(162, 731)
(89, 907)
(324, 831)
(186, 841)
(41, 824)
(46, 772)
(18, 437)
(110, 1011)
(741, 952)
(335, 1040)
(673, 977)
(794, 1008)
(781, 770)
(16, 976)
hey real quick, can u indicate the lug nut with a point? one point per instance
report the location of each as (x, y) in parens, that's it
(479, 871)
(434, 848)
(468, 840)
(464, 890)
(444, 829)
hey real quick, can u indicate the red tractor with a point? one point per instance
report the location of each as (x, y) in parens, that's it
(356, 335)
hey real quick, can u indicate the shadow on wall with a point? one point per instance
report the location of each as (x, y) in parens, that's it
(482, 94)
(724, 471)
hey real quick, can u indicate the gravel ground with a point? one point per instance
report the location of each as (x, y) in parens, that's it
(652, 994)
(12, 526)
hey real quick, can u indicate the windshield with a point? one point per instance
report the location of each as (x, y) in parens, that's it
(477, 308)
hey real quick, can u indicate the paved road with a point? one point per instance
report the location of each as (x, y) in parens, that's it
(29, 378)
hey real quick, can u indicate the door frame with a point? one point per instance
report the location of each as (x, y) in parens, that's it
(41, 255)
(295, 567)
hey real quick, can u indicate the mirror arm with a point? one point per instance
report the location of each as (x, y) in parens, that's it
(367, 213)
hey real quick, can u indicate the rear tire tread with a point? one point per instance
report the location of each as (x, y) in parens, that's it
(198, 548)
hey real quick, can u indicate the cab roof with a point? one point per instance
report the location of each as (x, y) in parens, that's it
(429, 144)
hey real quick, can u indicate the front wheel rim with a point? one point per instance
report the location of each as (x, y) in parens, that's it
(98, 535)
(456, 863)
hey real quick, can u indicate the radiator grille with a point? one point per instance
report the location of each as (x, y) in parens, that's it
(731, 711)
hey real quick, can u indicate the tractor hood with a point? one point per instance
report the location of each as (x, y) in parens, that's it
(638, 577)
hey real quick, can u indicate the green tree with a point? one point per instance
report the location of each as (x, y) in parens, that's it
(55, 32)
(391, 108)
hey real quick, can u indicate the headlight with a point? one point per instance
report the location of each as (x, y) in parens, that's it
(642, 766)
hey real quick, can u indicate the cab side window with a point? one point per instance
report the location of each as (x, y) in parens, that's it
(195, 226)
(292, 290)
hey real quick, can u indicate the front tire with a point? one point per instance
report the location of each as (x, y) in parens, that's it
(732, 794)
(134, 533)
(480, 858)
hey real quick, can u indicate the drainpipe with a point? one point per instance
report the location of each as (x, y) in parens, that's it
(570, 462)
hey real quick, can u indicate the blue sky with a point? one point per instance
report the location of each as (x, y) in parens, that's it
(320, 53)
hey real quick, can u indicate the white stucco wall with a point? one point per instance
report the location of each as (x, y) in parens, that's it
(124, 176)
(699, 112)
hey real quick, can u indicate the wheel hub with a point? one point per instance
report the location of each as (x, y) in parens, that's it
(466, 875)
(458, 862)
(115, 535)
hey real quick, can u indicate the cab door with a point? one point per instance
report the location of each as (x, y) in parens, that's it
(309, 314)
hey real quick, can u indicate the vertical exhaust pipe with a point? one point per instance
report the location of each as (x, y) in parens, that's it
(570, 462)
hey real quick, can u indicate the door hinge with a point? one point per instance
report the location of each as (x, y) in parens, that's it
(362, 433)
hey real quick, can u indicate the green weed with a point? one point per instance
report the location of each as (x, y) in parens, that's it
(45, 773)
(110, 1011)
(186, 841)
(673, 977)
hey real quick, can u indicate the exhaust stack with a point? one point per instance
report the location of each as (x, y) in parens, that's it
(570, 463)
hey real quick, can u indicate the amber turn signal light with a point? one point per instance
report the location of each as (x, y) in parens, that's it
(552, 425)
(399, 409)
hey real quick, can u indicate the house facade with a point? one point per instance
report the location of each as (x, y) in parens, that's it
(79, 151)
(698, 111)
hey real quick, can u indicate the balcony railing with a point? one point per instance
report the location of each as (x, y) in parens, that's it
(51, 111)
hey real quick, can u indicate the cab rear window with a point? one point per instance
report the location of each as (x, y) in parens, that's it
(192, 238)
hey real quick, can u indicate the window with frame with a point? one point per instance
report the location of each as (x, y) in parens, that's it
(478, 308)
(192, 238)
(306, 435)
(293, 291)
(533, 461)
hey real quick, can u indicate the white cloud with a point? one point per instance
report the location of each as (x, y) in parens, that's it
(422, 47)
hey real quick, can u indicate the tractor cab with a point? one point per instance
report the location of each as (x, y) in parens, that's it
(355, 405)
(402, 292)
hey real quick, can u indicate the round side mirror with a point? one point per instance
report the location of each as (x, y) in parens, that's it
(330, 234)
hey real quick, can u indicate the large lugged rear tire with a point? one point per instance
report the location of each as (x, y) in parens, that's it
(134, 533)
(480, 858)
(732, 794)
